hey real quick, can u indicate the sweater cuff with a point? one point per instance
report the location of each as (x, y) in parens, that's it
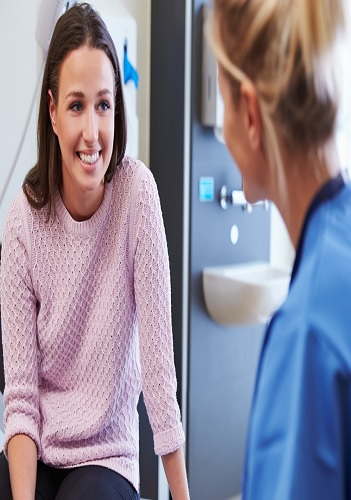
(169, 441)
(20, 424)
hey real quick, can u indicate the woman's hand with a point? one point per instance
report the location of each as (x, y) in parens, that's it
(174, 467)
(22, 456)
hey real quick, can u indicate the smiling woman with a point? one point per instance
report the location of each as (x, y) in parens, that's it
(82, 117)
(84, 34)
(85, 292)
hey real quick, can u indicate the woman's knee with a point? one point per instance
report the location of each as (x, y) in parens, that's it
(45, 484)
(95, 482)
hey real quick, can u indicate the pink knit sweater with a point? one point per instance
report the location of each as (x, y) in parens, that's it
(87, 324)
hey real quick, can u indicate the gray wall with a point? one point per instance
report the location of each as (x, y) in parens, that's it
(221, 361)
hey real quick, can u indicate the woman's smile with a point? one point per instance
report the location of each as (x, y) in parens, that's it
(89, 158)
(90, 161)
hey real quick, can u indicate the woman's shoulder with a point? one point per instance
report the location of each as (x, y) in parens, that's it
(132, 172)
(24, 219)
(17, 207)
(131, 166)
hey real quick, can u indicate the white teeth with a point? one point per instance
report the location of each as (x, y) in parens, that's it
(90, 159)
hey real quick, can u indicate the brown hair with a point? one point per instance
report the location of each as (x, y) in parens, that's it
(80, 25)
(279, 45)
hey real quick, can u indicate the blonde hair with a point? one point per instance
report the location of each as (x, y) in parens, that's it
(281, 46)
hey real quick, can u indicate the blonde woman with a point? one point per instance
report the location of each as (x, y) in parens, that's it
(276, 77)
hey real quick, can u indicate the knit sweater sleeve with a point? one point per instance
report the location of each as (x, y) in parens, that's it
(18, 316)
(153, 303)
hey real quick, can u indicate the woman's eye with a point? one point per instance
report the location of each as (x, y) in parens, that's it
(76, 106)
(104, 105)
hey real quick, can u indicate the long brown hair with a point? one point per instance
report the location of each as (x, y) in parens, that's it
(80, 25)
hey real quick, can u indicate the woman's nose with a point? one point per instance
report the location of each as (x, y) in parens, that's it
(91, 129)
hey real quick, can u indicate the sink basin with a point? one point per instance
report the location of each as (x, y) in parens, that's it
(244, 293)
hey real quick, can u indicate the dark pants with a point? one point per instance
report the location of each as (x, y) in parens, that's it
(91, 482)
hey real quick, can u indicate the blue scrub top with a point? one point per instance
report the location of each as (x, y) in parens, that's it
(299, 438)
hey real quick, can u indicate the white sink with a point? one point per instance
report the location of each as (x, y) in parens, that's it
(244, 293)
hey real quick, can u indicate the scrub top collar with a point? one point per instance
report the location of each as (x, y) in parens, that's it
(327, 192)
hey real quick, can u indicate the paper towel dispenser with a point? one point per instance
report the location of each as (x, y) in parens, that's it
(212, 107)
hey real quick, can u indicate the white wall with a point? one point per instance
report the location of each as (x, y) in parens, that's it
(20, 60)
(282, 251)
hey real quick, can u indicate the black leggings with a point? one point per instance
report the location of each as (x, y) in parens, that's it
(90, 482)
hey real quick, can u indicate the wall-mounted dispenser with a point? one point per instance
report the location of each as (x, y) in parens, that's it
(212, 107)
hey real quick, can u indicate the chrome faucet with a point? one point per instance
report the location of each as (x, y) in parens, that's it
(237, 199)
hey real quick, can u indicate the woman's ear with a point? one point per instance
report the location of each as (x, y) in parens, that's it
(52, 111)
(252, 117)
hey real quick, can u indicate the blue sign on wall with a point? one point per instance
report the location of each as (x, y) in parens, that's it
(206, 188)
